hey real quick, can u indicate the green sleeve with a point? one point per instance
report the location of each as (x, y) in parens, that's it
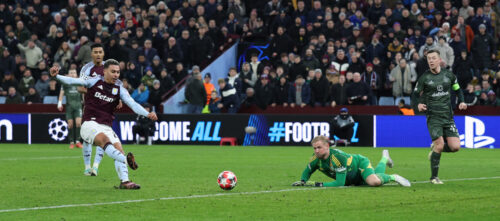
(339, 159)
(310, 168)
(419, 87)
(340, 181)
(456, 87)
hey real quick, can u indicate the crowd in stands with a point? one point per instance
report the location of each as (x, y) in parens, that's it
(322, 53)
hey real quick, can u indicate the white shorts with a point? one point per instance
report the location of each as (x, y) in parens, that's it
(90, 129)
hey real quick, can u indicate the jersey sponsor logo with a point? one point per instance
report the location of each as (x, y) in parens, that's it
(440, 92)
(103, 97)
(114, 91)
(473, 136)
(340, 169)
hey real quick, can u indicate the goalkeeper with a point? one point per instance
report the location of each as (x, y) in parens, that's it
(346, 169)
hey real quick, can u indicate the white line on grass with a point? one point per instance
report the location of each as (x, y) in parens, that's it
(41, 158)
(207, 196)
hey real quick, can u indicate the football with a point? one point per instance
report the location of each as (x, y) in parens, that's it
(227, 180)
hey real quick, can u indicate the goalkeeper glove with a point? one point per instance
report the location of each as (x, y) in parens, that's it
(308, 183)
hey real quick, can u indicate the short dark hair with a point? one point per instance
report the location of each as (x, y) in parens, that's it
(110, 62)
(96, 45)
(434, 51)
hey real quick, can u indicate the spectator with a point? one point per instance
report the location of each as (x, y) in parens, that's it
(213, 104)
(446, 52)
(264, 92)
(195, 94)
(249, 99)
(173, 53)
(13, 97)
(148, 78)
(248, 77)
(373, 80)
(32, 53)
(470, 97)
(492, 99)
(83, 55)
(157, 66)
(483, 49)
(310, 61)
(26, 82)
(402, 77)
(133, 74)
(63, 55)
(358, 91)
(179, 72)
(32, 97)
(280, 94)
(42, 85)
(298, 68)
(185, 44)
(463, 69)
(229, 98)
(166, 81)
(319, 89)
(464, 31)
(141, 94)
(7, 63)
(299, 93)
(209, 87)
(155, 95)
(202, 46)
(234, 80)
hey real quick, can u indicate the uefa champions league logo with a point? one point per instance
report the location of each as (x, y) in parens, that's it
(58, 129)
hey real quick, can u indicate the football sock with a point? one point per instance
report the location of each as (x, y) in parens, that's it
(112, 152)
(121, 170)
(446, 148)
(77, 134)
(87, 151)
(381, 166)
(71, 135)
(435, 158)
(99, 153)
(384, 178)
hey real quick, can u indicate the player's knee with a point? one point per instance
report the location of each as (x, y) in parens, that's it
(70, 124)
(78, 125)
(454, 147)
(374, 181)
(101, 139)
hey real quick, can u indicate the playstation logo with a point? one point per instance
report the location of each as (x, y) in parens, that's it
(473, 136)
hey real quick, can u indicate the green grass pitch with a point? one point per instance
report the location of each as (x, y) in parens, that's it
(179, 183)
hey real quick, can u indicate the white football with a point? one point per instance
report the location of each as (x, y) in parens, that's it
(227, 180)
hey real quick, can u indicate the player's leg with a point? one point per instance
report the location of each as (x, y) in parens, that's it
(385, 161)
(435, 159)
(71, 134)
(78, 125)
(452, 143)
(113, 149)
(99, 154)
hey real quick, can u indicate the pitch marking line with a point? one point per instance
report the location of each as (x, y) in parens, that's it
(40, 158)
(209, 195)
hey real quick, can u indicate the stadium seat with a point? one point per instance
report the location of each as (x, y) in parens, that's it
(50, 100)
(406, 99)
(2, 99)
(231, 140)
(386, 101)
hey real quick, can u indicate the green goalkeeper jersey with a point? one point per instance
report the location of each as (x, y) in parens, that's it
(73, 97)
(341, 166)
(434, 90)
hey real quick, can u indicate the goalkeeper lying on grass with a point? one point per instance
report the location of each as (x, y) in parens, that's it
(346, 169)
